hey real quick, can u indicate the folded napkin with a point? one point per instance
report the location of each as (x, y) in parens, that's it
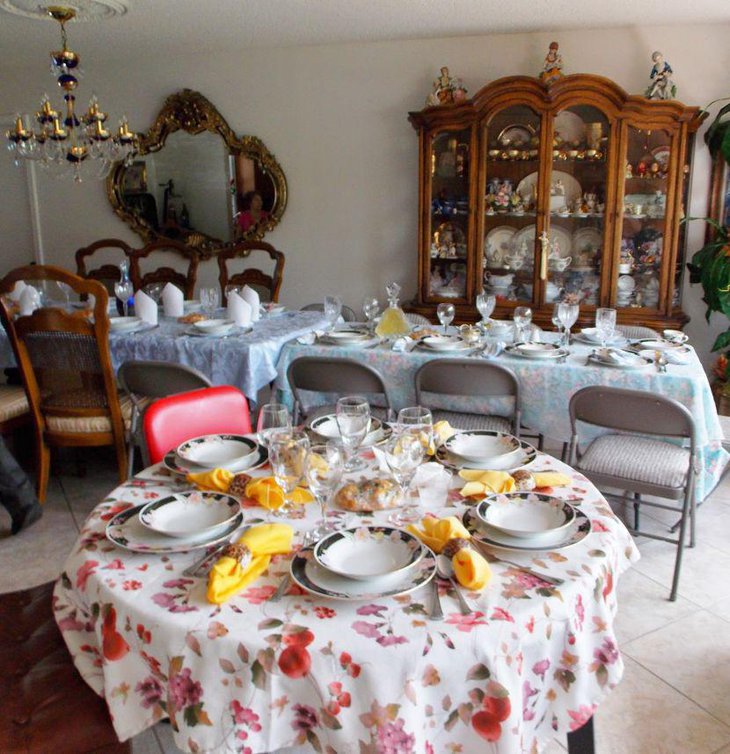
(216, 480)
(480, 483)
(238, 568)
(239, 310)
(173, 301)
(252, 298)
(145, 307)
(442, 431)
(611, 354)
(18, 289)
(550, 479)
(267, 493)
(310, 338)
(449, 536)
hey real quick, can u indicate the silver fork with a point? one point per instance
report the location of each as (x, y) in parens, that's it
(199, 567)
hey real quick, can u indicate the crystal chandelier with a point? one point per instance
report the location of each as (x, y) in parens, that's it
(66, 142)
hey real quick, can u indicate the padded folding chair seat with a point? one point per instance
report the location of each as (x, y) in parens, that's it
(13, 402)
(473, 421)
(638, 459)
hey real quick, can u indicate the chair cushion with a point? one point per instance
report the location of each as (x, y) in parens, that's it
(473, 421)
(640, 459)
(84, 424)
(13, 402)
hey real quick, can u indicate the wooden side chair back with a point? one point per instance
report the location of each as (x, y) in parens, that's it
(265, 284)
(106, 273)
(65, 364)
(165, 274)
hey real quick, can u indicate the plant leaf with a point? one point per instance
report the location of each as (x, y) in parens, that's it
(722, 341)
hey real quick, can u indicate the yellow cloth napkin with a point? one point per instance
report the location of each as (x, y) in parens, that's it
(267, 493)
(483, 482)
(470, 568)
(228, 577)
(217, 480)
(551, 479)
(442, 431)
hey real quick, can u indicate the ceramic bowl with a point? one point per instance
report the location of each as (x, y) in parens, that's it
(124, 324)
(214, 326)
(218, 451)
(526, 515)
(190, 514)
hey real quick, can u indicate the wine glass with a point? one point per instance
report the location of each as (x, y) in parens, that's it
(273, 417)
(154, 291)
(556, 320)
(567, 314)
(445, 314)
(353, 421)
(124, 290)
(404, 453)
(605, 324)
(232, 289)
(323, 472)
(332, 310)
(288, 453)
(370, 308)
(522, 316)
(418, 421)
(485, 305)
(210, 299)
(66, 292)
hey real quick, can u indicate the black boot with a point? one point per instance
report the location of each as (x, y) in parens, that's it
(16, 492)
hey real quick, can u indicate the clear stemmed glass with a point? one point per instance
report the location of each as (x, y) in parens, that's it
(288, 453)
(124, 290)
(370, 308)
(522, 316)
(485, 305)
(605, 325)
(154, 291)
(273, 417)
(332, 310)
(556, 321)
(567, 314)
(404, 453)
(445, 314)
(323, 473)
(232, 289)
(353, 421)
(210, 299)
(418, 421)
(66, 291)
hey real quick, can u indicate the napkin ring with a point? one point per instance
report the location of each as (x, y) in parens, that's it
(455, 545)
(238, 552)
(238, 484)
(524, 481)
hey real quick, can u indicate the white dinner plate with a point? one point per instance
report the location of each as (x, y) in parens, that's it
(236, 330)
(626, 360)
(541, 519)
(527, 235)
(485, 446)
(658, 344)
(369, 552)
(125, 324)
(444, 343)
(546, 351)
(313, 578)
(219, 451)
(172, 462)
(126, 531)
(523, 457)
(190, 514)
(575, 533)
(214, 326)
(346, 337)
(588, 335)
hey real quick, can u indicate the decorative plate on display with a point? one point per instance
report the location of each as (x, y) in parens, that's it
(575, 534)
(315, 579)
(517, 133)
(172, 462)
(125, 530)
(498, 244)
(661, 155)
(455, 463)
(569, 127)
(571, 187)
(527, 234)
(587, 241)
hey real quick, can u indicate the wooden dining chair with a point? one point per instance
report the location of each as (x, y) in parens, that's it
(267, 285)
(106, 273)
(66, 369)
(173, 420)
(640, 455)
(165, 274)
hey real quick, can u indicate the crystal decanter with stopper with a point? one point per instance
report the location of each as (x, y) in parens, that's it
(393, 322)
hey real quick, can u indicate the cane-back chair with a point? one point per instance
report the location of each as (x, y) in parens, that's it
(267, 285)
(184, 280)
(106, 273)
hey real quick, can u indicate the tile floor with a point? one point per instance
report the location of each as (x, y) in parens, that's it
(675, 695)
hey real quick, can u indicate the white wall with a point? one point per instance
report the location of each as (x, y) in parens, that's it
(335, 116)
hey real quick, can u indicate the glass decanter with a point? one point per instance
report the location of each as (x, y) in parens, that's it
(393, 322)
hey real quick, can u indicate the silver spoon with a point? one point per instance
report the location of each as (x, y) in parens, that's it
(445, 569)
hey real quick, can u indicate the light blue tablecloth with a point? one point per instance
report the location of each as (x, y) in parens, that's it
(546, 388)
(246, 361)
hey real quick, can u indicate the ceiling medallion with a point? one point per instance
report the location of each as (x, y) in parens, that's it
(86, 10)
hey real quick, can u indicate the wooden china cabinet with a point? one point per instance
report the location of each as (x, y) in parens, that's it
(539, 194)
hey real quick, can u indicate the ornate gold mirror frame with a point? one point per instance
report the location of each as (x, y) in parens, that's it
(191, 112)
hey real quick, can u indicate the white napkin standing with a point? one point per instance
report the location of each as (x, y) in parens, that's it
(254, 301)
(29, 301)
(145, 307)
(17, 291)
(173, 301)
(239, 310)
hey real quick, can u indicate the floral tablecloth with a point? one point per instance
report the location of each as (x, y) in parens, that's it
(370, 677)
(545, 391)
(246, 361)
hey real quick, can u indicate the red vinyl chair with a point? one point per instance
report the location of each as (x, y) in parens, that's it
(177, 418)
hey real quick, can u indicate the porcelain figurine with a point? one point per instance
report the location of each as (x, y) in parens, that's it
(447, 90)
(629, 172)
(552, 69)
(661, 85)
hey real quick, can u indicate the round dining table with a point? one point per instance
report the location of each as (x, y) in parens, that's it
(531, 661)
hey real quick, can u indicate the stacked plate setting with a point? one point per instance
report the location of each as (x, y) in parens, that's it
(326, 428)
(485, 449)
(350, 337)
(445, 343)
(618, 359)
(233, 453)
(367, 562)
(126, 324)
(537, 350)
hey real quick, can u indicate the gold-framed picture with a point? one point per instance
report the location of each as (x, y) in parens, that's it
(135, 178)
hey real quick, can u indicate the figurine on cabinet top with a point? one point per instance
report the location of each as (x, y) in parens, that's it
(552, 69)
(447, 90)
(661, 86)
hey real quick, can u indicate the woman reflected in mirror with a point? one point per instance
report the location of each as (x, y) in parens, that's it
(252, 211)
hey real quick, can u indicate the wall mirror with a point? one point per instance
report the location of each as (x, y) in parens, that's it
(193, 179)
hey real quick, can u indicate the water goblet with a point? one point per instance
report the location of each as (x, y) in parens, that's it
(445, 314)
(485, 305)
(209, 299)
(404, 453)
(288, 453)
(556, 320)
(522, 316)
(273, 417)
(325, 464)
(605, 324)
(232, 289)
(124, 290)
(567, 314)
(418, 421)
(154, 291)
(370, 308)
(353, 422)
(332, 310)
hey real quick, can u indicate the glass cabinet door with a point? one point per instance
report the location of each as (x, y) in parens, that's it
(642, 219)
(577, 202)
(449, 214)
(510, 203)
